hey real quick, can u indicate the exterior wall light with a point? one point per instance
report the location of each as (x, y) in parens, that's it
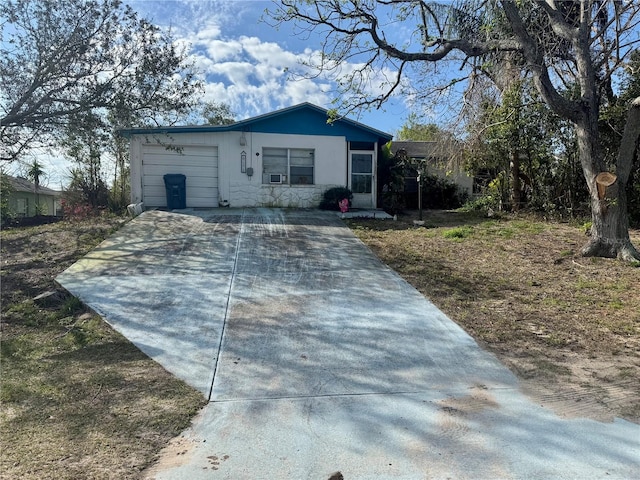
(243, 162)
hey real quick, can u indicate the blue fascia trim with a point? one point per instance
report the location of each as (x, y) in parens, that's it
(302, 119)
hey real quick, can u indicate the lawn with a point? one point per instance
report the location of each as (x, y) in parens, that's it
(78, 400)
(568, 326)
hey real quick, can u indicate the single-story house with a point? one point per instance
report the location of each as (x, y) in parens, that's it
(287, 158)
(25, 200)
(435, 156)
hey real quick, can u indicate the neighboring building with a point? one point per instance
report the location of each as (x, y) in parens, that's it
(436, 156)
(25, 198)
(287, 158)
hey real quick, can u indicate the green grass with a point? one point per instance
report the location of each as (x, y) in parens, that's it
(458, 233)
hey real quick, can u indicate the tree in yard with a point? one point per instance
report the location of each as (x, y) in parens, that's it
(120, 193)
(414, 130)
(581, 43)
(35, 173)
(6, 189)
(63, 59)
(217, 113)
(612, 125)
(523, 152)
(84, 142)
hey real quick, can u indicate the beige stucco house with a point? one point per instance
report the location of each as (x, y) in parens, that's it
(287, 158)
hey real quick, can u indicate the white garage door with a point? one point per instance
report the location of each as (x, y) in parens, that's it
(198, 164)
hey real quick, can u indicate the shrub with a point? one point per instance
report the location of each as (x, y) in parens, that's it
(73, 210)
(332, 196)
(437, 193)
(5, 191)
(483, 204)
(441, 193)
(458, 233)
(393, 202)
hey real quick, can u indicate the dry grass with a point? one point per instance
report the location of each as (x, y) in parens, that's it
(568, 326)
(78, 400)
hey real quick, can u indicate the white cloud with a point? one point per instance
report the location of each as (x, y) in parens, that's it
(251, 75)
(209, 32)
(220, 50)
(269, 53)
(237, 73)
(254, 68)
(306, 90)
(229, 34)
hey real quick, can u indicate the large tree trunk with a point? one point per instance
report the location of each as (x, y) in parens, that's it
(610, 227)
(609, 232)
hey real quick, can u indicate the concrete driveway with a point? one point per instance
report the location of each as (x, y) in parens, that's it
(317, 358)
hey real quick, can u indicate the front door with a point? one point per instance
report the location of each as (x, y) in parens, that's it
(362, 179)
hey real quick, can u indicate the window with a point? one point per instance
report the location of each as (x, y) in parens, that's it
(361, 146)
(22, 207)
(361, 172)
(292, 166)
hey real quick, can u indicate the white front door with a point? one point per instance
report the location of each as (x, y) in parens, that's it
(362, 179)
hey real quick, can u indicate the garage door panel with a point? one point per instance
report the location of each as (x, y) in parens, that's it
(191, 172)
(200, 203)
(195, 161)
(161, 201)
(197, 170)
(198, 164)
(183, 152)
(202, 192)
(155, 201)
(155, 191)
(191, 181)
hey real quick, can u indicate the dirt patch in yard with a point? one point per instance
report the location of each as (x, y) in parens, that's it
(78, 400)
(568, 326)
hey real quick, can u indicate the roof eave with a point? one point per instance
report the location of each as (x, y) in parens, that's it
(241, 125)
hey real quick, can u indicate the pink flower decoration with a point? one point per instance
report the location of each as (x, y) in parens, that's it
(344, 205)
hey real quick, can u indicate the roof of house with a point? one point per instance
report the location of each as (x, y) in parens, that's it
(23, 185)
(416, 149)
(302, 119)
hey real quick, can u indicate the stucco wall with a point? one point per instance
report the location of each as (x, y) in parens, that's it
(47, 204)
(241, 190)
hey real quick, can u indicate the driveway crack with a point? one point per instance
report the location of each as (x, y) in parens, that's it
(226, 309)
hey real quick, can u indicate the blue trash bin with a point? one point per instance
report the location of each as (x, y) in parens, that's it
(175, 185)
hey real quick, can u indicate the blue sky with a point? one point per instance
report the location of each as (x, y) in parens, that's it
(247, 63)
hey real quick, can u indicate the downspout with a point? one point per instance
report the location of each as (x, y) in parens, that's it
(374, 177)
(348, 152)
